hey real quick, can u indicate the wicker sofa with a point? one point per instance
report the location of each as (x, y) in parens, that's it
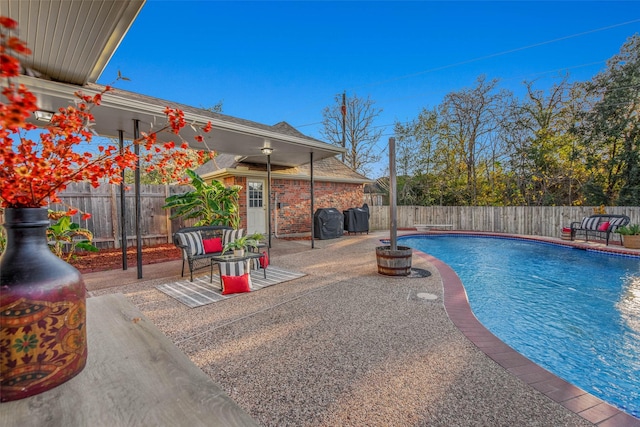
(189, 240)
(601, 225)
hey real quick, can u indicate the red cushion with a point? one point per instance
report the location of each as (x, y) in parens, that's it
(212, 245)
(235, 284)
(264, 260)
(604, 226)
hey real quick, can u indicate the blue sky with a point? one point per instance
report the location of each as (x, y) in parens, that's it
(274, 61)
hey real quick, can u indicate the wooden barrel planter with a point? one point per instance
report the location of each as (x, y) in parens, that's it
(394, 262)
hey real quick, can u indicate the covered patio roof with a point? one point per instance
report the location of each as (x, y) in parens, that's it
(231, 135)
(72, 42)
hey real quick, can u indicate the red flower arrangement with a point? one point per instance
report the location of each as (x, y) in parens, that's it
(34, 172)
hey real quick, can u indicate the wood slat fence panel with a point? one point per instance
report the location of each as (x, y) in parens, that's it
(103, 203)
(527, 220)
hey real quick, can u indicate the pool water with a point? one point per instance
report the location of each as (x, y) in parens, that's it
(573, 312)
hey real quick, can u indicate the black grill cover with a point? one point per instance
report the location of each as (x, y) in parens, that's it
(328, 224)
(356, 220)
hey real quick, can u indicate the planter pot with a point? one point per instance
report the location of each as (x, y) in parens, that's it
(42, 310)
(631, 241)
(394, 262)
(238, 252)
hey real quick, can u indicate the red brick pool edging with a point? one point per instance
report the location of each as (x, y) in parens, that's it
(590, 407)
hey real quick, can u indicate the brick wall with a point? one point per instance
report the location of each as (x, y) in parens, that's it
(242, 201)
(294, 218)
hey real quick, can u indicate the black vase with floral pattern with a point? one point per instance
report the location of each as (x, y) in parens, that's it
(42, 310)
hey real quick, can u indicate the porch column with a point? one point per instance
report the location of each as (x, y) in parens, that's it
(311, 204)
(136, 147)
(123, 211)
(269, 198)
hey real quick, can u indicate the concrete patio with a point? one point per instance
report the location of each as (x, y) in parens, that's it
(344, 346)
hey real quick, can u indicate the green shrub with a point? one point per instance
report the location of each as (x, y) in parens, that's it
(629, 230)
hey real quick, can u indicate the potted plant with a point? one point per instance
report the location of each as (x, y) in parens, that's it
(630, 235)
(243, 243)
(48, 347)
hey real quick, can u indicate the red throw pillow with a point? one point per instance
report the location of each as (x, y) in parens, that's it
(212, 245)
(264, 260)
(604, 226)
(235, 284)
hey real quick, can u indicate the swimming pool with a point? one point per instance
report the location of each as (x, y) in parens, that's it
(573, 312)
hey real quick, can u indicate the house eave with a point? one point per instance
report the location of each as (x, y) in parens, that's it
(119, 109)
(242, 172)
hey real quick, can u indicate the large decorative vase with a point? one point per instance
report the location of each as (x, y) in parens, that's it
(42, 310)
(394, 262)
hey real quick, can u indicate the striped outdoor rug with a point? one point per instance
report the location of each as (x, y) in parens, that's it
(202, 291)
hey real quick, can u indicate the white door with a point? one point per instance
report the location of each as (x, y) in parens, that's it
(256, 207)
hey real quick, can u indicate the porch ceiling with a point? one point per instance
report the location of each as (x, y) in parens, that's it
(72, 41)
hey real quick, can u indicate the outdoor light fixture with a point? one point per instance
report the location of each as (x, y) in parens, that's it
(43, 116)
(267, 150)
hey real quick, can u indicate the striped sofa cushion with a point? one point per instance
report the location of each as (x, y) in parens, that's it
(616, 221)
(237, 268)
(193, 241)
(590, 223)
(256, 262)
(231, 235)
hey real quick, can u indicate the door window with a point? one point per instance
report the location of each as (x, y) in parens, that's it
(255, 195)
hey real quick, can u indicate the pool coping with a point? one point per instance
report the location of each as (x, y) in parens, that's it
(456, 304)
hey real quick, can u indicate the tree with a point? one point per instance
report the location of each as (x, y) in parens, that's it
(416, 142)
(415, 152)
(470, 124)
(361, 135)
(542, 147)
(610, 130)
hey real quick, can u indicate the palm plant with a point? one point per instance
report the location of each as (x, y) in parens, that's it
(244, 242)
(212, 204)
(629, 230)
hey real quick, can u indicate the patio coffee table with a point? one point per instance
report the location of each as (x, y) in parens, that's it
(247, 257)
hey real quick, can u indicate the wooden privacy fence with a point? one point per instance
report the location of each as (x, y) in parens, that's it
(527, 220)
(103, 203)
